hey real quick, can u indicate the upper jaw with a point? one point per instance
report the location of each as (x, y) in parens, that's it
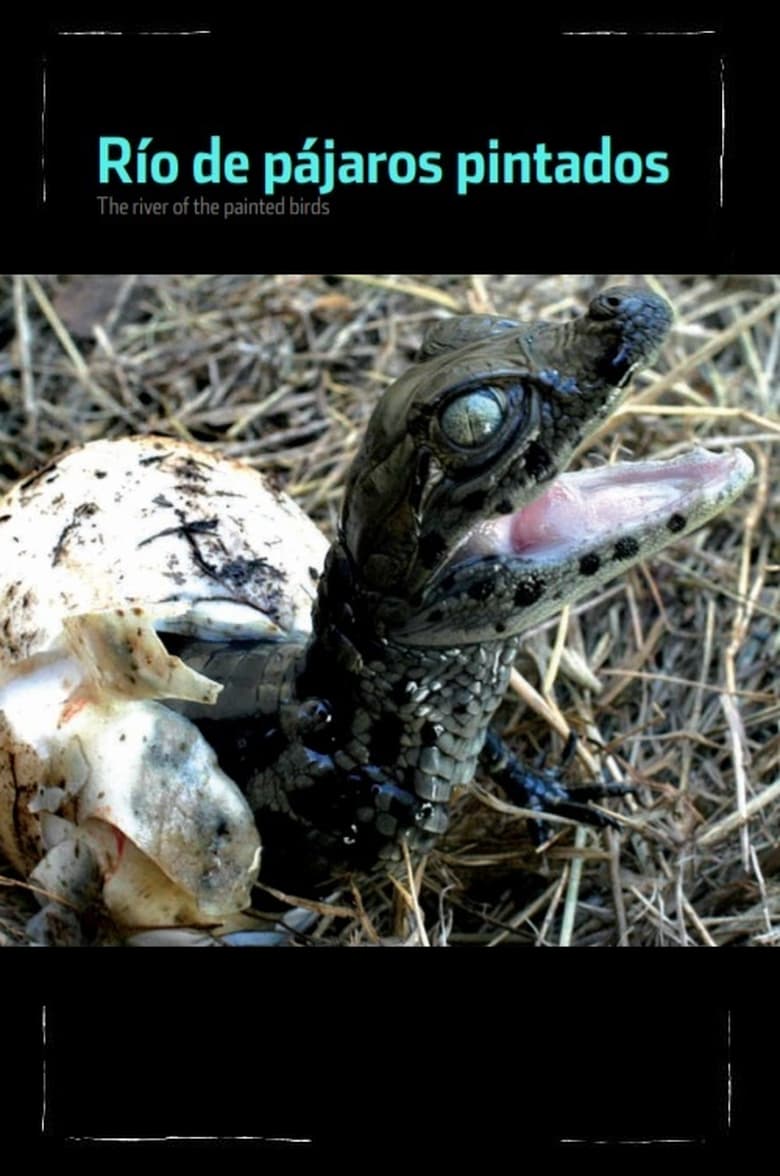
(412, 496)
(419, 486)
(622, 330)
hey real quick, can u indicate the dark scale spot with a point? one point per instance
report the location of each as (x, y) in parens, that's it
(589, 564)
(100, 473)
(432, 548)
(677, 523)
(476, 500)
(408, 779)
(504, 506)
(385, 742)
(429, 733)
(400, 692)
(460, 709)
(626, 548)
(435, 615)
(500, 627)
(481, 589)
(314, 575)
(537, 460)
(528, 591)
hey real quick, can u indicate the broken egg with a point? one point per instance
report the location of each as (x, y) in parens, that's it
(106, 794)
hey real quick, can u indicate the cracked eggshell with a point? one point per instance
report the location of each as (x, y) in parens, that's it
(152, 521)
(99, 781)
(175, 837)
(111, 542)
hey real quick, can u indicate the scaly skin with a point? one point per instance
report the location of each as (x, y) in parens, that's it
(420, 607)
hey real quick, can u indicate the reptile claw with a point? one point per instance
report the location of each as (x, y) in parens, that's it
(541, 789)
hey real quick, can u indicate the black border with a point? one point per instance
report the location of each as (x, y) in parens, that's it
(398, 1040)
(439, 80)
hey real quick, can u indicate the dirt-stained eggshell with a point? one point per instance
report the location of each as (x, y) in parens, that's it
(101, 785)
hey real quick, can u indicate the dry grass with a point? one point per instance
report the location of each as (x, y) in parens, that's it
(669, 675)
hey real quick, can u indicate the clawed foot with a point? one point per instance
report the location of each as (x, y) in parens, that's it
(389, 812)
(541, 789)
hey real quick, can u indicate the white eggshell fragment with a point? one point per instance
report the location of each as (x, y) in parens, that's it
(121, 656)
(103, 789)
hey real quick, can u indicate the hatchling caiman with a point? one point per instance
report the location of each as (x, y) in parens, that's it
(321, 703)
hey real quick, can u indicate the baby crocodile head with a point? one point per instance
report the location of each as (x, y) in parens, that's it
(460, 528)
(459, 524)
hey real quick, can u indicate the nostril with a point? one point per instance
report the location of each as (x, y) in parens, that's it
(610, 303)
(614, 303)
(640, 319)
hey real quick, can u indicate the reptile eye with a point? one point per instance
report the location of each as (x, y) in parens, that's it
(474, 417)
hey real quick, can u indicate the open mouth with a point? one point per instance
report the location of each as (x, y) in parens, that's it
(514, 571)
(585, 510)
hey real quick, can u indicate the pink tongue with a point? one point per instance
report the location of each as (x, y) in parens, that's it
(556, 517)
(592, 503)
(568, 511)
